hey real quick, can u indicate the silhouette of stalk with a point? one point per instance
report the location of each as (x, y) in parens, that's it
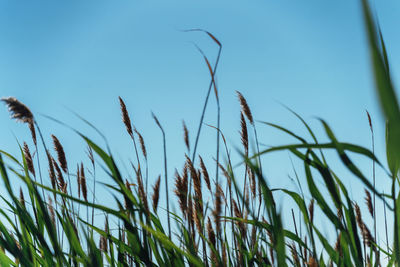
(165, 171)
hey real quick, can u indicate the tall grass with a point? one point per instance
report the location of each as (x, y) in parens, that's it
(238, 227)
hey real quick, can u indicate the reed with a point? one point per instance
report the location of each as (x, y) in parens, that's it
(236, 221)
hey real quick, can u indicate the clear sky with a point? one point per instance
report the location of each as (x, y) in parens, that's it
(312, 56)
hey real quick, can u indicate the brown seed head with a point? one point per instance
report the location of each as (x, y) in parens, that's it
(368, 200)
(90, 154)
(31, 126)
(181, 192)
(295, 255)
(125, 117)
(370, 121)
(28, 158)
(21, 197)
(211, 238)
(217, 208)
(340, 214)
(78, 180)
(156, 193)
(83, 183)
(245, 107)
(142, 193)
(60, 177)
(205, 173)
(186, 135)
(338, 247)
(367, 236)
(60, 153)
(52, 174)
(358, 216)
(51, 211)
(226, 174)
(141, 142)
(311, 210)
(18, 110)
(312, 262)
(253, 183)
(243, 134)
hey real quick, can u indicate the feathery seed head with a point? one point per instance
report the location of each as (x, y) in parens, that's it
(245, 107)
(18, 110)
(60, 153)
(125, 117)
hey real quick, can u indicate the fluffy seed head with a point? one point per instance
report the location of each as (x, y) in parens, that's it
(18, 110)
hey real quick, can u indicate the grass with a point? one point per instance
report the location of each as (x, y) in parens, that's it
(54, 226)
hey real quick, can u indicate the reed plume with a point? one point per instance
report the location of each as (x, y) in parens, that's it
(368, 201)
(142, 193)
(18, 110)
(52, 174)
(226, 174)
(311, 210)
(181, 191)
(217, 208)
(212, 239)
(295, 255)
(31, 126)
(156, 193)
(141, 142)
(83, 183)
(125, 117)
(21, 197)
(28, 158)
(60, 177)
(239, 215)
(244, 134)
(60, 154)
(186, 135)
(245, 107)
(366, 235)
(51, 211)
(204, 171)
(338, 247)
(78, 180)
(358, 216)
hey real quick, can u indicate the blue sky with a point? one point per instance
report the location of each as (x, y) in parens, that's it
(81, 55)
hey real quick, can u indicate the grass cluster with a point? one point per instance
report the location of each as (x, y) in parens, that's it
(241, 225)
